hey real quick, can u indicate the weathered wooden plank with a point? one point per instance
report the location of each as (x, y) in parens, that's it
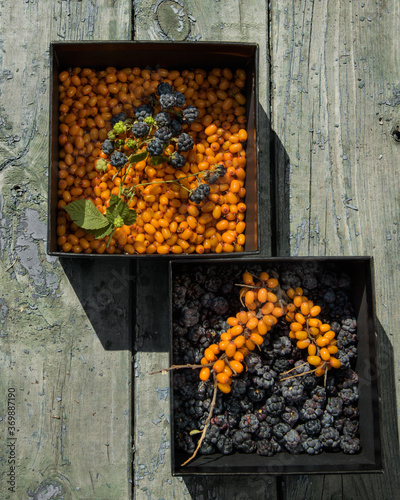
(334, 71)
(205, 21)
(64, 333)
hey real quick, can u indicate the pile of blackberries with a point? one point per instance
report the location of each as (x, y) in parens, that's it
(263, 414)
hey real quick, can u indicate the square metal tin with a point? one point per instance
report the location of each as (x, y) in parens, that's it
(359, 269)
(171, 55)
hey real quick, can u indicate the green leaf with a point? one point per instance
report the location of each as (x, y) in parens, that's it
(103, 232)
(114, 200)
(138, 157)
(85, 215)
(120, 209)
(157, 160)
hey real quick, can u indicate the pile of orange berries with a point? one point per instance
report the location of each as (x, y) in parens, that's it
(167, 221)
(265, 303)
(310, 333)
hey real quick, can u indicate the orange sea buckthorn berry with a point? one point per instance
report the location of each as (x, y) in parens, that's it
(239, 341)
(214, 348)
(232, 321)
(204, 374)
(314, 322)
(314, 331)
(302, 335)
(209, 354)
(303, 344)
(315, 310)
(238, 356)
(262, 327)
(305, 309)
(222, 378)
(236, 330)
(332, 349)
(324, 328)
(252, 323)
(296, 327)
(267, 308)
(325, 354)
(230, 349)
(335, 363)
(312, 349)
(314, 360)
(248, 278)
(272, 283)
(237, 366)
(329, 335)
(249, 297)
(322, 341)
(262, 295)
(225, 388)
(256, 338)
(320, 371)
(277, 312)
(219, 366)
(300, 318)
(250, 345)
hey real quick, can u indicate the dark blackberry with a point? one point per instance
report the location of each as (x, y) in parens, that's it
(329, 438)
(255, 394)
(246, 404)
(327, 420)
(346, 338)
(220, 421)
(140, 129)
(350, 411)
(319, 394)
(220, 170)
(290, 416)
(334, 406)
(312, 446)
(167, 101)
(292, 442)
(309, 382)
(118, 159)
(349, 396)
(107, 147)
(180, 99)
(164, 88)
(330, 386)
(311, 410)
(292, 391)
(339, 423)
(185, 142)
(176, 127)
(177, 160)
(143, 111)
(211, 178)
(282, 346)
(280, 430)
(220, 306)
(264, 378)
(163, 119)
(264, 431)
(313, 427)
(201, 192)
(239, 387)
(155, 147)
(268, 448)
(207, 448)
(242, 441)
(275, 405)
(249, 423)
(120, 117)
(212, 434)
(281, 365)
(350, 445)
(189, 317)
(163, 134)
(190, 114)
(253, 362)
(225, 445)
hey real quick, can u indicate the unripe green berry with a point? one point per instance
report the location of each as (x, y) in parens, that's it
(101, 165)
(118, 221)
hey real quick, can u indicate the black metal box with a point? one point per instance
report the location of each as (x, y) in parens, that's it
(176, 55)
(357, 274)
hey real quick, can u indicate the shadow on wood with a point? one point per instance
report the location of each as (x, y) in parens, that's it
(106, 291)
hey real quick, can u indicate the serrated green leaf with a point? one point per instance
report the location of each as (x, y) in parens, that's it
(138, 157)
(103, 232)
(129, 217)
(121, 209)
(114, 200)
(157, 160)
(85, 215)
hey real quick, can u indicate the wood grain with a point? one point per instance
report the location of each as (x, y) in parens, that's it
(71, 371)
(186, 20)
(335, 96)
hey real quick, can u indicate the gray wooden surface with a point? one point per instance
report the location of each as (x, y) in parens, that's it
(329, 108)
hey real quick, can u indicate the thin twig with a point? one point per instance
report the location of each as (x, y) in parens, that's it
(12, 265)
(207, 423)
(298, 366)
(178, 367)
